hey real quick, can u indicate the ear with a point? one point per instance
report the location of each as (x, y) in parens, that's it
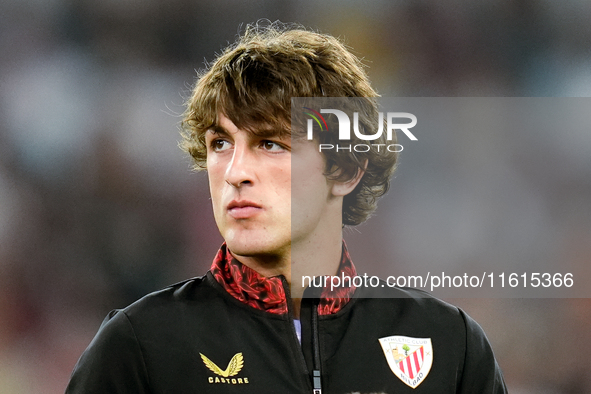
(341, 189)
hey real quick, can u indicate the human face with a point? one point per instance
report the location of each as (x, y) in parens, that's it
(250, 185)
(250, 179)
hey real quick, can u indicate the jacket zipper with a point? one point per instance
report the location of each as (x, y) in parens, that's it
(316, 375)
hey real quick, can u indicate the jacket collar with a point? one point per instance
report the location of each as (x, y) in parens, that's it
(267, 293)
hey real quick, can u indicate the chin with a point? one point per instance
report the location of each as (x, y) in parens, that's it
(254, 246)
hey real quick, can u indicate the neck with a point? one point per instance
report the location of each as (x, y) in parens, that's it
(316, 259)
(319, 259)
(318, 256)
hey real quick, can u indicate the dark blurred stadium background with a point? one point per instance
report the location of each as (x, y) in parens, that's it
(98, 206)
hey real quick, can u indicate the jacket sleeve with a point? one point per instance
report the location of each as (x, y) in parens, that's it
(113, 362)
(481, 373)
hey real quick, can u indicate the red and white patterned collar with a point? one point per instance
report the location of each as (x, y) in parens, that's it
(267, 293)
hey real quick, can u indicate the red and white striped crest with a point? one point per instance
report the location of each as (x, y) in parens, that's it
(409, 358)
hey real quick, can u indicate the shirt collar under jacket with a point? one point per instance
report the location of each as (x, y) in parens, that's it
(267, 293)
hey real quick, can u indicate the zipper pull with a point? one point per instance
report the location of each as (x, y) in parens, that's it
(317, 383)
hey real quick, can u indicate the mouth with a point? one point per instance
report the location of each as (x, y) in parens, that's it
(243, 209)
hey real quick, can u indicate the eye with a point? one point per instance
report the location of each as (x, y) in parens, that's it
(219, 145)
(271, 146)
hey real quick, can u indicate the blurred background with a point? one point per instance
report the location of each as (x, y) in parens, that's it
(98, 206)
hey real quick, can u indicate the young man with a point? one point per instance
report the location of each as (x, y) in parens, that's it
(280, 206)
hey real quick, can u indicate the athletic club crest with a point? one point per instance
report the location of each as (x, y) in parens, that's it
(409, 358)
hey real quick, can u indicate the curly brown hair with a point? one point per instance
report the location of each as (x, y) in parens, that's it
(252, 83)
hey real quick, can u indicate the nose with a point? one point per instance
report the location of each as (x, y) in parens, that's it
(241, 170)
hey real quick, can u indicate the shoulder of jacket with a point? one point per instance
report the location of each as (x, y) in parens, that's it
(175, 294)
(411, 300)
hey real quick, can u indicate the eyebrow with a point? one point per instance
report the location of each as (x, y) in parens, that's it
(263, 132)
(217, 129)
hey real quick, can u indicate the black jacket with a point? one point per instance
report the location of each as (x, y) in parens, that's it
(194, 337)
